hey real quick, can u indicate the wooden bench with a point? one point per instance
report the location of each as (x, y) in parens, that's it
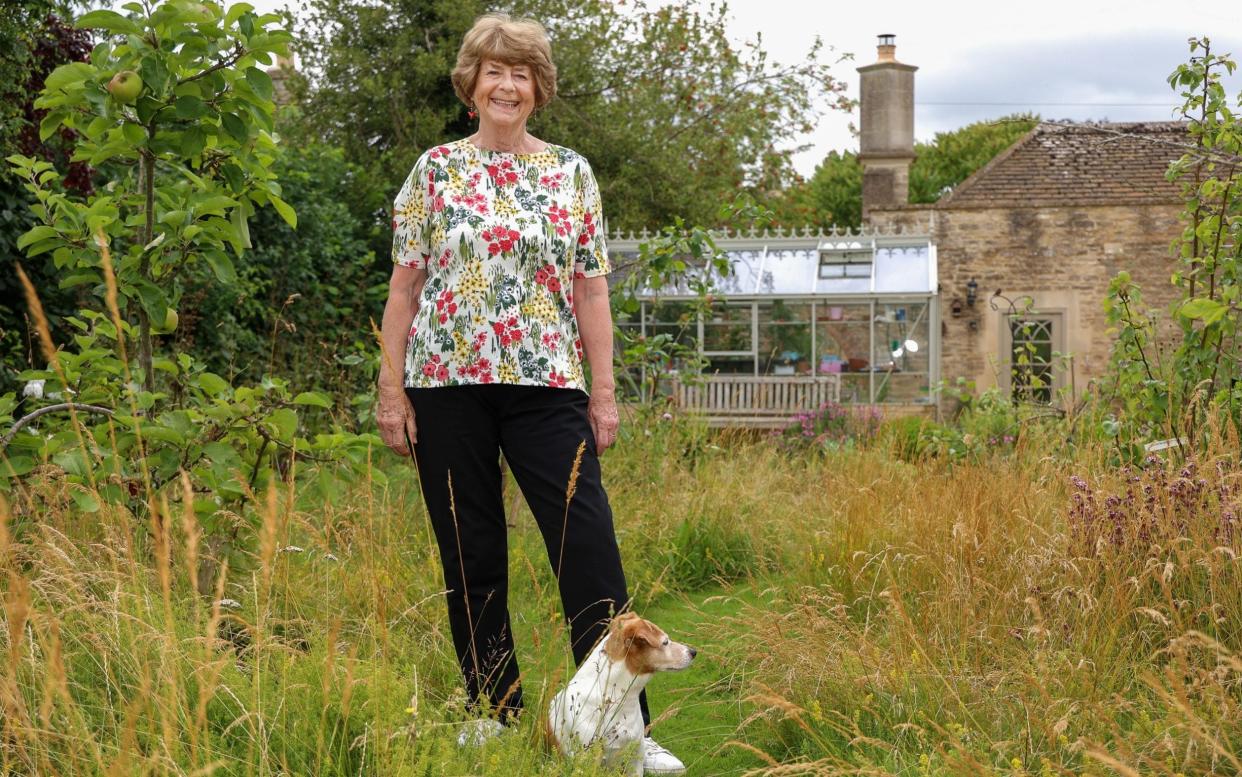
(758, 402)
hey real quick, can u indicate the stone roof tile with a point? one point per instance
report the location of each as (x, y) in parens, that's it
(1078, 164)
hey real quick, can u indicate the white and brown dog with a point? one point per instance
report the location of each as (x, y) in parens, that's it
(600, 703)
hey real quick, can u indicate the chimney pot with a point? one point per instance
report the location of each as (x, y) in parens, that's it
(886, 51)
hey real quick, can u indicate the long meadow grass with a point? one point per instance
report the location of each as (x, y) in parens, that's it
(857, 613)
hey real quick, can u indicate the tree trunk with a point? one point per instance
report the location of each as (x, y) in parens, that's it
(145, 350)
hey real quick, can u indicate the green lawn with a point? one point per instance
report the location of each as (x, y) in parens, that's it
(699, 711)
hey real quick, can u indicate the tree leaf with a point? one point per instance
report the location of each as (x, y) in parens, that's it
(189, 107)
(162, 433)
(154, 73)
(51, 122)
(235, 11)
(233, 174)
(236, 128)
(285, 423)
(146, 107)
(221, 265)
(1208, 310)
(313, 398)
(193, 141)
(68, 75)
(212, 384)
(286, 212)
(108, 20)
(134, 133)
(16, 466)
(77, 279)
(214, 206)
(241, 226)
(35, 234)
(85, 500)
(260, 82)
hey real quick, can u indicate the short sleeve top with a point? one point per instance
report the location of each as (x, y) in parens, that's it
(502, 237)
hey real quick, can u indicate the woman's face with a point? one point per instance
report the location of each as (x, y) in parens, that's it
(504, 95)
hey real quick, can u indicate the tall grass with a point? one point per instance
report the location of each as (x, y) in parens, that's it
(1018, 616)
(924, 618)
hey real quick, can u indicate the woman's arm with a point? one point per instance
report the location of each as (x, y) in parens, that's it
(394, 414)
(595, 329)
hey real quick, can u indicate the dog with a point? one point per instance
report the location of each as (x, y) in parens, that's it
(600, 704)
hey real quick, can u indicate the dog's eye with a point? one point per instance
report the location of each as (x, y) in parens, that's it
(664, 643)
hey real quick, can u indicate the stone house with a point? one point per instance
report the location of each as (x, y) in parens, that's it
(1027, 245)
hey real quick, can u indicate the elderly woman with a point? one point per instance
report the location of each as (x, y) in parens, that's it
(497, 293)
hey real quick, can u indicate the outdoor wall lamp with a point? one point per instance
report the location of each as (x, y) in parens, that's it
(972, 292)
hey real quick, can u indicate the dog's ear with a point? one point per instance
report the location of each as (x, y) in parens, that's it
(640, 632)
(619, 621)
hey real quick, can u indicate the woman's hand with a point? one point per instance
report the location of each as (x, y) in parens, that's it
(602, 412)
(393, 413)
(395, 417)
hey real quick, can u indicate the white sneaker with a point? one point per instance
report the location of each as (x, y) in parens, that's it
(474, 733)
(658, 760)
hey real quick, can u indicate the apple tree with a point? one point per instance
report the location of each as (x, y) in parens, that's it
(174, 110)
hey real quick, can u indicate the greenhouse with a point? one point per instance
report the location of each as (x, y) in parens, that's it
(800, 319)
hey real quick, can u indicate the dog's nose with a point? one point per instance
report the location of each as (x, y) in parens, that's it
(693, 652)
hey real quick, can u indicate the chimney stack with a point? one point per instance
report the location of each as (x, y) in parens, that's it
(886, 147)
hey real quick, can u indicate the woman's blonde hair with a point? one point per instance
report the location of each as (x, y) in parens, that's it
(502, 38)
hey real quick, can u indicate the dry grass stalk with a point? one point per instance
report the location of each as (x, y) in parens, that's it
(48, 347)
(571, 488)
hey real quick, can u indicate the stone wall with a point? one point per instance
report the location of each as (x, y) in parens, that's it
(1063, 257)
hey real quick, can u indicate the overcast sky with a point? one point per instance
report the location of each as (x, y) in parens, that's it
(1062, 59)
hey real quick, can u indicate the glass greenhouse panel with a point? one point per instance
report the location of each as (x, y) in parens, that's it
(842, 338)
(730, 365)
(789, 271)
(744, 273)
(785, 338)
(843, 285)
(727, 329)
(903, 269)
(675, 319)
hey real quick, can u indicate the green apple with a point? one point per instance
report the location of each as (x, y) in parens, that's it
(125, 86)
(168, 325)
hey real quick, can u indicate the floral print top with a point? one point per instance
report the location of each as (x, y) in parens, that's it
(502, 237)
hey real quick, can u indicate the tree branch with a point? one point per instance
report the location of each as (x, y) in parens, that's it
(30, 417)
(229, 61)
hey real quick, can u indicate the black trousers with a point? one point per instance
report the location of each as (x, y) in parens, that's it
(462, 430)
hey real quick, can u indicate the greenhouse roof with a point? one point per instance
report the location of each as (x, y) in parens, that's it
(831, 264)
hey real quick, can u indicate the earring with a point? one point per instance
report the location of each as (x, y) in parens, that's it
(472, 113)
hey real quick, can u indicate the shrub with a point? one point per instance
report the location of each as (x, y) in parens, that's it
(830, 426)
